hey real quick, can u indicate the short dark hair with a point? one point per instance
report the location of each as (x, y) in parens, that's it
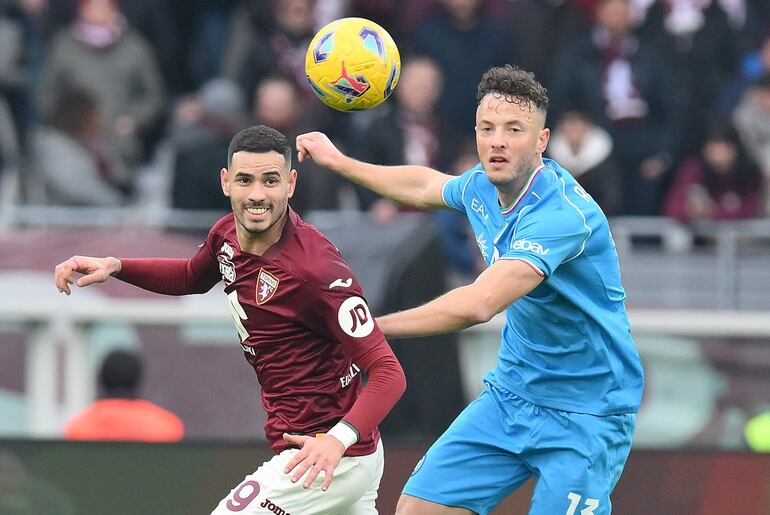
(120, 374)
(259, 139)
(516, 85)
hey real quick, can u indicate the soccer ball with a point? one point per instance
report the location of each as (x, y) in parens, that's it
(352, 64)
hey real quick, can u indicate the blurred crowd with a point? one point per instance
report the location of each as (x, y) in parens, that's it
(659, 107)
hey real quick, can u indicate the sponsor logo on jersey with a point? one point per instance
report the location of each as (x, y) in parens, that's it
(270, 505)
(267, 284)
(226, 268)
(532, 246)
(354, 318)
(348, 378)
(347, 283)
(478, 207)
(227, 250)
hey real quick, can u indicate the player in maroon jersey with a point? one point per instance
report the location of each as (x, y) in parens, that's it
(304, 327)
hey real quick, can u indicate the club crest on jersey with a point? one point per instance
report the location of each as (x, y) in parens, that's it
(267, 284)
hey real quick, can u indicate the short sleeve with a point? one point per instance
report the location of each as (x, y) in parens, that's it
(548, 236)
(453, 190)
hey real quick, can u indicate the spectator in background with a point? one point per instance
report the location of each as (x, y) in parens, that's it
(628, 87)
(752, 119)
(458, 243)
(268, 37)
(720, 183)
(464, 42)
(102, 54)
(120, 414)
(201, 132)
(74, 160)
(409, 130)
(277, 103)
(537, 47)
(585, 149)
(15, 63)
(754, 65)
(702, 37)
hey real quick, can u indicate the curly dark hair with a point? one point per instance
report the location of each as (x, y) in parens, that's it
(516, 85)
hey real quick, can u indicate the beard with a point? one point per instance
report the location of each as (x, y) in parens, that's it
(273, 216)
(521, 168)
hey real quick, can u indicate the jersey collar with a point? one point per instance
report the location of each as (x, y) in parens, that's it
(527, 187)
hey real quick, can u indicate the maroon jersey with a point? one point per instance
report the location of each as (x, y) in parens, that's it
(304, 327)
(303, 324)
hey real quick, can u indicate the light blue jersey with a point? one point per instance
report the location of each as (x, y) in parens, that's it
(567, 344)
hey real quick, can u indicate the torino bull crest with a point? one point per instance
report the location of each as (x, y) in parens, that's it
(352, 64)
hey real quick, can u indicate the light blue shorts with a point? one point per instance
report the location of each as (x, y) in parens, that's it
(500, 440)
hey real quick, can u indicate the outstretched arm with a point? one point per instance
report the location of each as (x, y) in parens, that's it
(493, 291)
(417, 186)
(167, 276)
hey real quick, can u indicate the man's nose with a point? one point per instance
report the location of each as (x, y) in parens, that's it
(498, 139)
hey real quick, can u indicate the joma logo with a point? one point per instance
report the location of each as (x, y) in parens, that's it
(270, 505)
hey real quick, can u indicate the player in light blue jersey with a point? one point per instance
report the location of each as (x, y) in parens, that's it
(560, 404)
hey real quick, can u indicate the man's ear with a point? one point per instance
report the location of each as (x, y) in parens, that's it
(542, 140)
(224, 178)
(292, 181)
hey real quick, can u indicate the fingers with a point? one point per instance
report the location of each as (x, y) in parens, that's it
(63, 275)
(91, 278)
(314, 470)
(328, 474)
(314, 456)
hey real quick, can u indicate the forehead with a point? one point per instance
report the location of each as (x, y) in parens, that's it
(257, 162)
(496, 108)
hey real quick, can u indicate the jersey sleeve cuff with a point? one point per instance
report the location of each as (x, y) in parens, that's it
(345, 433)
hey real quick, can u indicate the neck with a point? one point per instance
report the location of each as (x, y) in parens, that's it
(508, 193)
(259, 243)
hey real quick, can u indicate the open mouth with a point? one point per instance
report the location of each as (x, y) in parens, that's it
(257, 210)
(497, 161)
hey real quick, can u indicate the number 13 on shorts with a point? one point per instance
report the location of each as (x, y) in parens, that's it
(590, 504)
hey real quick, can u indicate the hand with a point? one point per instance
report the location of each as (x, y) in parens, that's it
(698, 202)
(317, 454)
(94, 270)
(318, 147)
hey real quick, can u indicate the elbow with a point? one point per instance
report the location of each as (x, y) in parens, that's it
(400, 383)
(481, 311)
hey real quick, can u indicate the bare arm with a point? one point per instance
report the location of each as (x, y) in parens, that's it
(417, 186)
(492, 292)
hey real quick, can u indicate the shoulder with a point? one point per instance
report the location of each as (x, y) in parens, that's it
(315, 259)
(561, 201)
(222, 228)
(472, 179)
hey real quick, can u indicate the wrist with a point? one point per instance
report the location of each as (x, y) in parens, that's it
(345, 433)
(116, 265)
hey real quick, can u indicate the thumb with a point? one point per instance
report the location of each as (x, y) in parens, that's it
(295, 439)
(89, 279)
